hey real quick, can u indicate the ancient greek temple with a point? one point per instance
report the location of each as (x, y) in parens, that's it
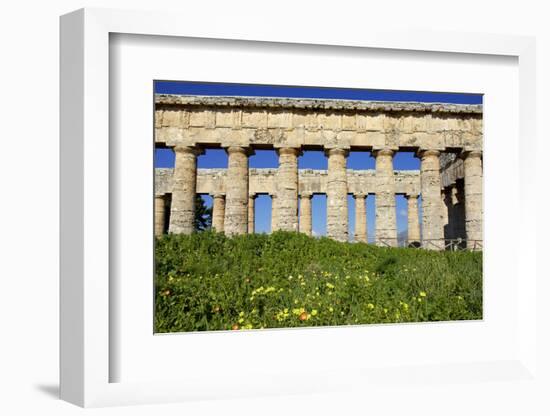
(447, 138)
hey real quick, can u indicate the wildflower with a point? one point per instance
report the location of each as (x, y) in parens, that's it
(370, 306)
(235, 327)
(313, 312)
(304, 316)
(331, 309)
(422, 294)
(216, 309)
(330, 285)
(241, 320)
(241, 314)
(290, 277)
(166, 292)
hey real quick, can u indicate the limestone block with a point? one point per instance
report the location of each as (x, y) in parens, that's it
(279, 119)
(256, 118)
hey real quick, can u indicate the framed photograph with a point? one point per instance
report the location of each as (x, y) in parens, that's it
(280, 214)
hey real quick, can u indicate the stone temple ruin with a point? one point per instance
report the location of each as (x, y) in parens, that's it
(446, 137)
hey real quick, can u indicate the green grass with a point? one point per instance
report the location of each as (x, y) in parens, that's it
(207, 281)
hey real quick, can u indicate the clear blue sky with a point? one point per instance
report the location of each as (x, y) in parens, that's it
(217, 158)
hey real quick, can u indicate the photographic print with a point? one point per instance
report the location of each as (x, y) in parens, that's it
(290, 206)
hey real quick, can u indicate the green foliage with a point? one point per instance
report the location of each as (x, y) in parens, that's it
(203, 215)
(206, 281)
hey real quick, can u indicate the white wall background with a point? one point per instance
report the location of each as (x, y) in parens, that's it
(29, 56)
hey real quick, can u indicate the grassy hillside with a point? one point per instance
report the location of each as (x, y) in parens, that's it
(207, 281)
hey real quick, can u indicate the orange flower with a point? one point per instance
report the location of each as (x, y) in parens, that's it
(235, 327)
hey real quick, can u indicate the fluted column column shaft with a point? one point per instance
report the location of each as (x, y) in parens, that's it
(473, 209)
(386, 225)
(182, 212)
(360, 218)
(413, 223)
(218, 212)
(337, 195)
(430, 185)
(305, 213)
(251, 226)
(287, 189)
(236, 201)
(159, 214)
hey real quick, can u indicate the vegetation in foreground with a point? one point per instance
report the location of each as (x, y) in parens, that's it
(206, 281)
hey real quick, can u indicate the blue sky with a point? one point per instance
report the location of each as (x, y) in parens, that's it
(217, 158)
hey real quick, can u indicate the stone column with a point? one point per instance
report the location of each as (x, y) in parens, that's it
(159, 215)
(386, 225)
(274, 214)
(182, 212)
(447, 213)
(430, 185)
(413, 224)
(337, 195)
(251, 199)
(287, 189)
(218, 212)
(473, 209)
(305, 213)
(236, 188)
(360, 218)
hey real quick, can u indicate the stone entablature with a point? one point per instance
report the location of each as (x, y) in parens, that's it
(315, 123)
(312, 181)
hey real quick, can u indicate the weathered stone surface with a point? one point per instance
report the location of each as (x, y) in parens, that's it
(305, 213)
(274, 214)
(182, 215)
(251, 226)
(287, 189)
(386, 226)
(413, 222)
(473, 188)
(218, 212)
(361, 233)
(451, 186)
(337, 195)
(159, 214)
(236, 188)
(430, 182)
(282, 122)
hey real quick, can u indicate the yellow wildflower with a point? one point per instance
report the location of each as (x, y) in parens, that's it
(370, 306)
(422, 294)
(313, 312)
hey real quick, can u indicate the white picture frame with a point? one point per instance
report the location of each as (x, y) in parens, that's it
(86, 356)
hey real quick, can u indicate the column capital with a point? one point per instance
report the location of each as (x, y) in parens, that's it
(246, 150)
(194, 150)
(336, 151)
(383, 152)
(412, 195)
(295, 151)
(470, 154)
(422, 153)
(218, 195)
(252, 195)
(360, 195)
(306, 194)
